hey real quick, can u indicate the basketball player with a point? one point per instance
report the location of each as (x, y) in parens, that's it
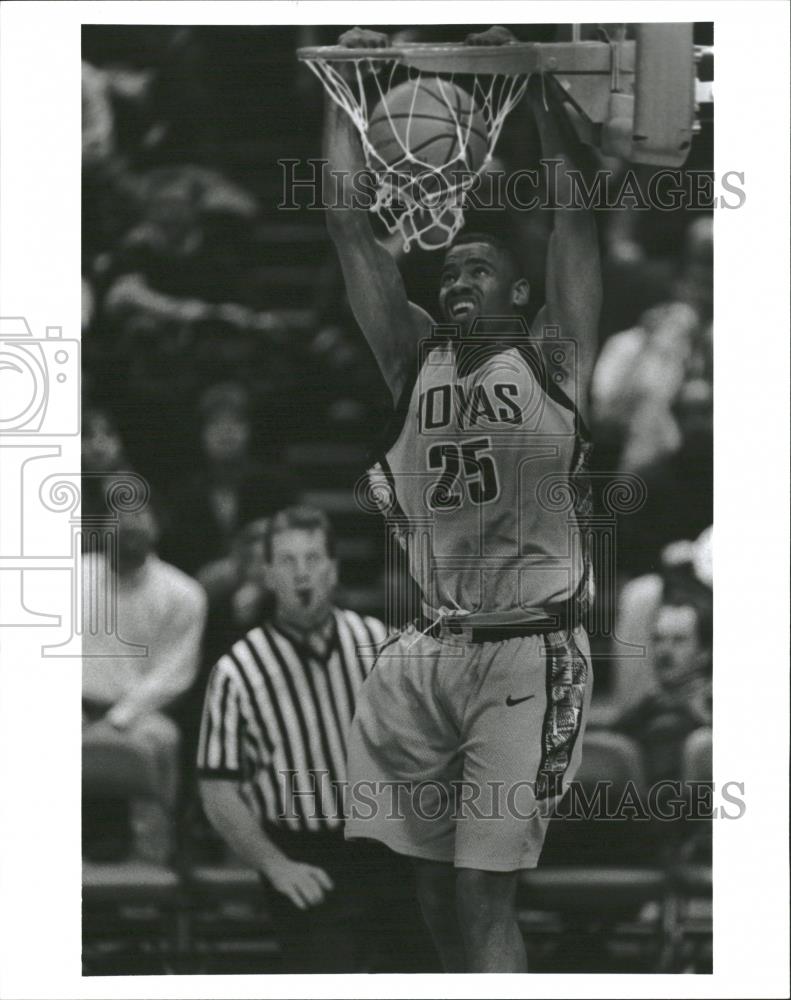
(470, 725)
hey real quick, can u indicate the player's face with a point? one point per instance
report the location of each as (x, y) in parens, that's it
(476, 281)
(302, 576)
(677, 652)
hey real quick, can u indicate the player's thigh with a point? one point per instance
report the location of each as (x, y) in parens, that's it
(522, 737)
(404, 755)
(399, 722)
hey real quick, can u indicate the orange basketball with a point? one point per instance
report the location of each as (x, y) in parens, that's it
(426, 117)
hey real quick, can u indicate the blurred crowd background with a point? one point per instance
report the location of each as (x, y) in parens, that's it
(222, 364)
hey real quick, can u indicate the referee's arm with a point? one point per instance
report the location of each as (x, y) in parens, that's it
(305, 885)
(230, 816)
(220, 775)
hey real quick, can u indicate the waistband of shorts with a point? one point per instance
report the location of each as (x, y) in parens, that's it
(452, 627)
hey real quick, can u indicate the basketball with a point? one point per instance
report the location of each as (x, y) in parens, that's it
(423, 120)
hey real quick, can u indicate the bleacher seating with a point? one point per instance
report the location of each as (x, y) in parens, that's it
(229, 921)
(691, 872)
(130, 905)
(599, 877)
(603, 899)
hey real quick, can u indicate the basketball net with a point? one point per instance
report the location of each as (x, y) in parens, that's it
(421, 201)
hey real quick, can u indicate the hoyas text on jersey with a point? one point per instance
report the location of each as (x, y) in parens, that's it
(442, 405)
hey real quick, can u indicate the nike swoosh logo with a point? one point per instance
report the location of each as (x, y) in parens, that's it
(518, 701)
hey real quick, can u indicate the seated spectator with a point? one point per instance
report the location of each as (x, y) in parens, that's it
(641, 371)
(638, 374)
(97, 116)
(103, 457)
(662, 720)
(88, 305)
(679, 485)
(185, 260)
(108, 189)
(135, 669)
(684, 575)
(237, 593)
(273, 789)
(229, 489)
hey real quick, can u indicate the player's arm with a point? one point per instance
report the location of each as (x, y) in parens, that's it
(573, 269)
(393, 326)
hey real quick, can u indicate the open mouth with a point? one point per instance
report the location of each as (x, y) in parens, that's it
(304, 594)
(461, 308)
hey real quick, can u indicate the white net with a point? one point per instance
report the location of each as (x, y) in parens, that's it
(421, 200)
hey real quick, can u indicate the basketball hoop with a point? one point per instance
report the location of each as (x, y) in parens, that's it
(636, 101)
(476, 88)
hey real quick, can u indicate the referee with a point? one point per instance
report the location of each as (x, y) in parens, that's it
(272, 762)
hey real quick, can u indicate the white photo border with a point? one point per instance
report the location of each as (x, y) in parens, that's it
(40, 118)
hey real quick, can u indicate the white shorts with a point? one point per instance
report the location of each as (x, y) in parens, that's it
(459, 751)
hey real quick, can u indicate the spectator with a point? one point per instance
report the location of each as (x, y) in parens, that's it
(229, 489)
(662, 720)
(102, 448)
(186, 259)
(641, 371)
(134, 672)
(238, 596)
(272, 760)
(679, 486)
(97, 116)
(638, 374)
(103, 458)
(88, 307)
(684, 576)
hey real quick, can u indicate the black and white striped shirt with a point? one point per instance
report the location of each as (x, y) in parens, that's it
(276, 717)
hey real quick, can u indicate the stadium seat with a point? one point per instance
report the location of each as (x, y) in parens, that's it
(225, 882)
(129, 905)
(697, 757)
(691, 873)
(599, 875)
(112, 768)
(229, 920)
